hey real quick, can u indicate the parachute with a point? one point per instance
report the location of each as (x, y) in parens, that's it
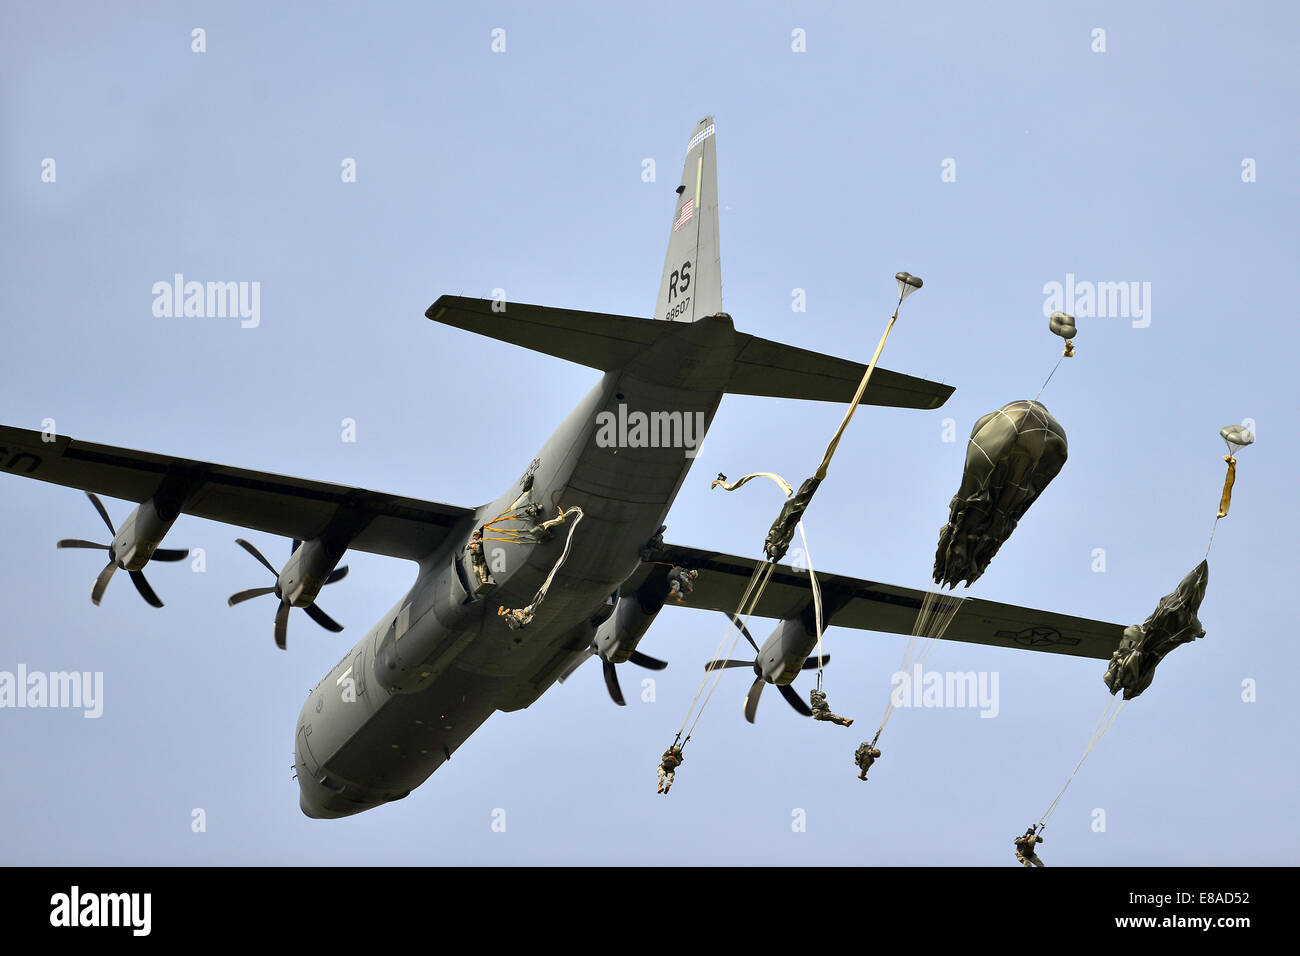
(1236, 437)
(1064, 326)
(1011, 457)
(782, 531)
(1145, 645)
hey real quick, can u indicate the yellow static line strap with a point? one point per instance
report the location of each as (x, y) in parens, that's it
(1226, 500)
(733, 485)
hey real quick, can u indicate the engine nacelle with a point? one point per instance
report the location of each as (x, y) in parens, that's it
(304, 574)
(139, 536)
(784, 653)
(618, 635)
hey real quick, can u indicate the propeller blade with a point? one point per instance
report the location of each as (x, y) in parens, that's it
(811, 663)
(101, 582)
(78, 543)
(242, 596)
(645, 660)
(794, 700)
(257, 554)
(338, 574)
(725, 665)
(611, 683)
(281, 625)
(170, 554)
(568, 671)
(146, 592)
(103, 513)
(744, 630)
(323, 619)
(751, 699)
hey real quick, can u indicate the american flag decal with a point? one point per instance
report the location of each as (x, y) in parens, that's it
(687, 208)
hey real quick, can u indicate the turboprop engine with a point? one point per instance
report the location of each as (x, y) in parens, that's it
(134, 545)
(310, 567)
(619, 626)
(778, 661)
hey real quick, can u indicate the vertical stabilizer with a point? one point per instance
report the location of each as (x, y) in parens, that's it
(692, 280)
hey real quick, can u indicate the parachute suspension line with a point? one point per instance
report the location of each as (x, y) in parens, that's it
(817, 602)
(744, 623)
(909, 652)
(933, 619)
(1108, 718)
(720, 653)
(1049, 377)
(764, 574)
(740, 619)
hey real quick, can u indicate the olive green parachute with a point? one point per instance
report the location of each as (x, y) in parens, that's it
(1011, 457)
(781, 533)
(1145, 645)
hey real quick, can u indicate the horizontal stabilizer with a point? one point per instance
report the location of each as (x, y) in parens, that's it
(607, 342)
(593, 339)
(769, 368)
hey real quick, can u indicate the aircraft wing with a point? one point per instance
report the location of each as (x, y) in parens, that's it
(292, 507)
(870, 606)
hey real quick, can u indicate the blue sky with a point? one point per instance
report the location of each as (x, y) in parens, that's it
(521, 170)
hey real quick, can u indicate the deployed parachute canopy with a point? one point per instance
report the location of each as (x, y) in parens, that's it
(1145, 645)
(1237, 437)
(907, 284)
(1011, 457)
(1063, 325)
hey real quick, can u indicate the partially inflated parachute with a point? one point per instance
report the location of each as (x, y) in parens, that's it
(1143, 646)
(1011, 457)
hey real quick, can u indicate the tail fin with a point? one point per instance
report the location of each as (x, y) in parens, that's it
(692, 282)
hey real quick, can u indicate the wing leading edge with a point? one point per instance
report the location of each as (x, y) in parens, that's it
(871, 606)
(291, 507)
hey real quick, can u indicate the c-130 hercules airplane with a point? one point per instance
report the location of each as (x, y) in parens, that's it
(566, 563)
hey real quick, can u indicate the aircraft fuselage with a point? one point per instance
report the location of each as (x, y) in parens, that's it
(441, 661)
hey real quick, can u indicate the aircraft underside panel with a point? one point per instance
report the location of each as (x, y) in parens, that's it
(396, 747)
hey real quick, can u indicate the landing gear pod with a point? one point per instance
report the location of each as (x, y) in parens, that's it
(1143, 646)
(1011, 457)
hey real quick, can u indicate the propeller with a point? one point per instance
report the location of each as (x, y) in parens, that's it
(137, 577)
(282, 613)
(611, 672)
(756, 688)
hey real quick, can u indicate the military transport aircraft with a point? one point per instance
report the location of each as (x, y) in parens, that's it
(471, 637)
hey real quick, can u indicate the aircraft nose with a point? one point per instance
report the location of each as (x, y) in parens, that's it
(307, 809)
